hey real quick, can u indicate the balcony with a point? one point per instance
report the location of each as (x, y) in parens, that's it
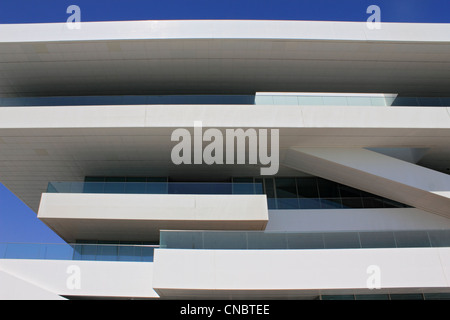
(105, 211)
(283, 196)
(261, 265)
(48, 271)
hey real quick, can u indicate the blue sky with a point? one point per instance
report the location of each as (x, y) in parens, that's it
(17, 222)
(35, 11)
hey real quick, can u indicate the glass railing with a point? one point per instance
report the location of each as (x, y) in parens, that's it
(63, 251)
(267, 99)
(127, 100)
(155, 187)
(304, 240)
(332, 203)
(327, 100)
(222, 188)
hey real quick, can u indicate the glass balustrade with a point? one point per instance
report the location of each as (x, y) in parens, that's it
(303, 240)
(77, 251)
(332, 195)
(128, 100)
(232, 240)
(155, 187)
(265, 99)
(340, 100)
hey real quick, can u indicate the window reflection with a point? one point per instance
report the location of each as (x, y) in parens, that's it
(281, 192)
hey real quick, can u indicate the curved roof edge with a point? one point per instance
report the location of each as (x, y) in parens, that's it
(225, 29)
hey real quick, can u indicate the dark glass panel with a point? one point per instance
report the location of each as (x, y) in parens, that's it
(307, 187)
(382, 239)
(405, 239)
(328, 189)
(285, 188)
(341, 240)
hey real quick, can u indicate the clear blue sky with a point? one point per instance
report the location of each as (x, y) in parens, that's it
(17, 222)
(34, 11)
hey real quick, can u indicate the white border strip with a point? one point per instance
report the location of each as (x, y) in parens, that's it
(328, 94)
(225, 29)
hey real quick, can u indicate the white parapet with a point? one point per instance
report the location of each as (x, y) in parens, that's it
(140, 217)
(52, 279)
(14, 288)
(248, 274)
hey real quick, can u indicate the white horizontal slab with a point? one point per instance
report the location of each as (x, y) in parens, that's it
(140, 217)
(220, 116)
(14, 288)
(96, 278)
(222, 56)
(223, 29)
(43, 144)
(296, 273)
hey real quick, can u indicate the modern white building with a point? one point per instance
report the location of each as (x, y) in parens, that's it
(359, 207)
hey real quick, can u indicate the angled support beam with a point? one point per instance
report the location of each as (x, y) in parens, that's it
(376, 173)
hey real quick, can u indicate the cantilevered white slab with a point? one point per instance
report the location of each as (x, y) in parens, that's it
(49, 144)
(223, 56)
(15, 288)
(224, 29)
(268, 274)
(377, 173)
(140, 217)
(101, 279)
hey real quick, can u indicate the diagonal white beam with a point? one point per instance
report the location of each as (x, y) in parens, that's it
(376, 173)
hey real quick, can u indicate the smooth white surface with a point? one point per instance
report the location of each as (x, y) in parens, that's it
(97, 278)
(140, 217)
(219, 116)
(224, 29)
(328, 94)
(14, 288)
(293, 273)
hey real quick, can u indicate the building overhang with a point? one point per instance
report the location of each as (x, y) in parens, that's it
(223, 57)
(242, 274)
(140, 217)
(39, 145)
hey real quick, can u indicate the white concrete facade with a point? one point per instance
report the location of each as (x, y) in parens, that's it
(43, 144)
(293, 273)
(140, 217)
(382, 151)
(95, 279)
